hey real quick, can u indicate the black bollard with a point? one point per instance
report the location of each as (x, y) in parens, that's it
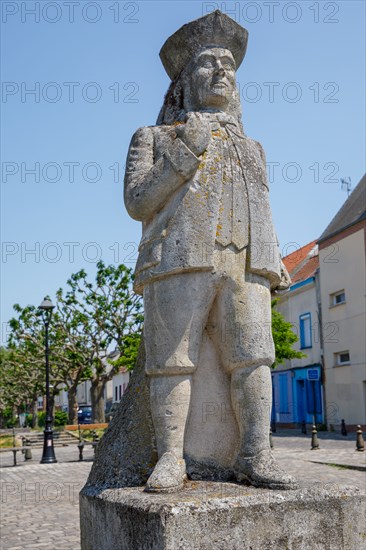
(81, 448)
(28, 453)
(314, 439)
(343, 428)
(303, 427)
(360, 443)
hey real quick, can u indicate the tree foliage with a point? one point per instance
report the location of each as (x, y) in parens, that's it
(27, 340)
(90, 320)
(284, 337)
(107, 315)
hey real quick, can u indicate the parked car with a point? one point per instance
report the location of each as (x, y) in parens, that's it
(85, 414)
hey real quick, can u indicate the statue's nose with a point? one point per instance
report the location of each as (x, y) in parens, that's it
(220, 70)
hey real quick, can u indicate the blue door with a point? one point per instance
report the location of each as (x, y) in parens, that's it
(314, 402)
(301, 401)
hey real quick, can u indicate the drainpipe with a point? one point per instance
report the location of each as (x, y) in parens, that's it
(321, 340)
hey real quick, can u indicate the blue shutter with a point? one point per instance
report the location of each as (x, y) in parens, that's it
(283, 394)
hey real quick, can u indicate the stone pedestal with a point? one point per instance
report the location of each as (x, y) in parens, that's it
(223, 516)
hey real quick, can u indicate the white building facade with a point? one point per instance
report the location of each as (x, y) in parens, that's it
(342, 284)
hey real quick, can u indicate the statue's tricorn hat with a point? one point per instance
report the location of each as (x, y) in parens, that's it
(214, 29)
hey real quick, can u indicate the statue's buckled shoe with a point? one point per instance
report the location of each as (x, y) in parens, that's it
(168, 475)
(262, 470)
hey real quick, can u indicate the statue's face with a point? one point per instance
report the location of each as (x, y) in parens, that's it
(212, 78)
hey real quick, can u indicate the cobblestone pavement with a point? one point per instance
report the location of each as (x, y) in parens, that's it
(39, 503)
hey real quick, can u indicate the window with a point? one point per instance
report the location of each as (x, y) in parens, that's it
(116, 393)
(305, 331)
(342, 358)
(120, 392)
(337, 298)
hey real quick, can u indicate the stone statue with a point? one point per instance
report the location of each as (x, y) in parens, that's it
(208, 258)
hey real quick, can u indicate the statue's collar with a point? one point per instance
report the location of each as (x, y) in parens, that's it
(221, 117)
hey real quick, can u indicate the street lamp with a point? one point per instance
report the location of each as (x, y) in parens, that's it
(48, 456)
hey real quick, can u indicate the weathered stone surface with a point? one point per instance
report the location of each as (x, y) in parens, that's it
(209, 516)
(126, 453)
(214, 29)
(208, 260)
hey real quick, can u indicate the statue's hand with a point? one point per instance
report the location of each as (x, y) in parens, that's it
(195, 133)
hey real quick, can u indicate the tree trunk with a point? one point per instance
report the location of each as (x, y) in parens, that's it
(34, 409)
(72, 405)
(97, 400)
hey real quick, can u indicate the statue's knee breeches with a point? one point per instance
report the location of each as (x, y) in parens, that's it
(242, 322)
(176, 310)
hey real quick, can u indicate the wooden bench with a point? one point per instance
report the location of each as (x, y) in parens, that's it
(14, 450)
(74, 427)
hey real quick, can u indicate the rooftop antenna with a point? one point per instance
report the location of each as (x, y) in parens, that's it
(346, 185)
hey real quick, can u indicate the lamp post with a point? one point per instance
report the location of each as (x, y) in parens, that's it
(48, 456)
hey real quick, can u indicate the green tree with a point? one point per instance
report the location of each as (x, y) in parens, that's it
(284, 337)
(107, 315)
(22, 379)
(67, 365)
(90, 319)
(25, 375)
(75, 356)
(9, 389)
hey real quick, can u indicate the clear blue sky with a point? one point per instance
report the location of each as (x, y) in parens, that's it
(302, 84)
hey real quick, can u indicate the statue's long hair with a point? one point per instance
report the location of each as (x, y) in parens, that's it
(174, 110)
(173, 106)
